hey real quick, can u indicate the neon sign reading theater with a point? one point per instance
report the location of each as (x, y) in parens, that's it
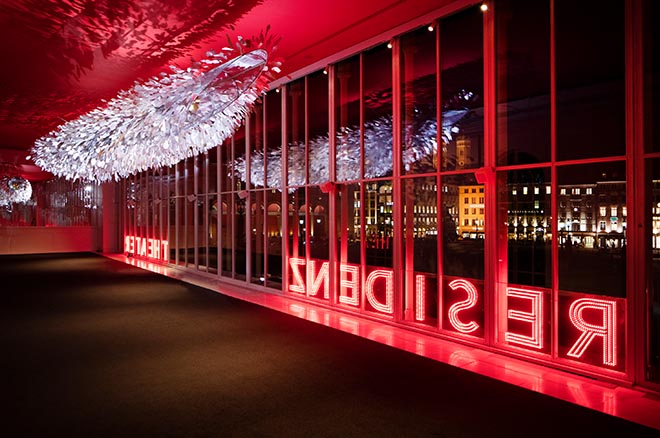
(589, 325)
(143, 247)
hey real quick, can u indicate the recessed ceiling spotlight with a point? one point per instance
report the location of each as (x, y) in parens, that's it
(389, 45)
(430, 28)
(484, 7)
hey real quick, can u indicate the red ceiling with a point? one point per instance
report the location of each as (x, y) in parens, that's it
(61, 57)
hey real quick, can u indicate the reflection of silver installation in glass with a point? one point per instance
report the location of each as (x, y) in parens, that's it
(377, 154)
(162, 121)
(14, 189)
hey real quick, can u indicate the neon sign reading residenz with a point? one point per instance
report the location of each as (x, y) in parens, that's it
(591, 326)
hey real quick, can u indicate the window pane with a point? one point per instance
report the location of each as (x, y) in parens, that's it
(296, 132)
(273, 139)
(172, 217)
(201, 230)
(189, 231)
(317, 125)
(297, 223)
(347, 89)
(257, 237)
(181, 230)
(227, 233)
(462, 255)
(131, 204)
(257, 157)
(348, 223)
(202, 169)
(463, 233)
(274, 237)
(418, 100)
(213, 169)
(180, 178)
(377, 88)
(592, 247)
(379, 247)
(212, 231)
(526, 216)
(239, 178)
(461, 79)
(653, 267)
(240, 244)
(590, 78)
(160, 206)
(378, 225)
(227, 172)
(652, 74)
(319, 224)
(420, 243)
(523, 81)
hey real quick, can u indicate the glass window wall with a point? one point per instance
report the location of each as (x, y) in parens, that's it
(347, 115)
(408, 243)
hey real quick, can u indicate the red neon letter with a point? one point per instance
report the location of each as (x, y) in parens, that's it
(165, 245)
(388, 275)
(156, 248)
(607, 330)
(127, 244)
(535, 340)
(314, 280)
(470, 301)
(298, 285)
(345, 284)
(420, 303)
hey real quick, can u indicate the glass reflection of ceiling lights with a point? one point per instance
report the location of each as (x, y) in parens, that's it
(13, 187)
(420, 143)
(163, 120)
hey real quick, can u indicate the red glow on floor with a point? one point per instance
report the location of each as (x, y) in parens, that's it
(610, 398)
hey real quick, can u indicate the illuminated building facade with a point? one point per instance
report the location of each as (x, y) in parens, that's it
(471, 211)
(475, 181)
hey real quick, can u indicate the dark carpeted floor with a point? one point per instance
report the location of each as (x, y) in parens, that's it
(92, 347)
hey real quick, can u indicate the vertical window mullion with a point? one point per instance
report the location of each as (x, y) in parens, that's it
(554, 187)
(490, 190)
(397, 213)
